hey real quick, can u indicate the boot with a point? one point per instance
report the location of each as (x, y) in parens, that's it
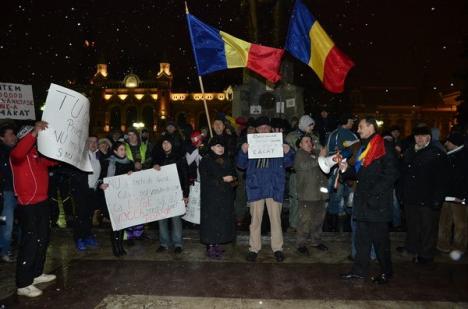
(120, 243)
(114, 238)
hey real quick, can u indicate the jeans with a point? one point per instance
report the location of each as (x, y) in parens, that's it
(338, 197)
(9, 205)
(165, 239)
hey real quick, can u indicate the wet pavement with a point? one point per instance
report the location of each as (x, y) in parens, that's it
(146, 279)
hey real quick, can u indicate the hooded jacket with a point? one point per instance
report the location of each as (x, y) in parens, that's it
(30, 172)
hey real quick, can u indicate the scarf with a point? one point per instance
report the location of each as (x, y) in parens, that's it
(374, 150)
(112, 160)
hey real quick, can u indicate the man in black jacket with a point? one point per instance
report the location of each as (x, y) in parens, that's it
(423, 191)
(375, 171)
(453, 212)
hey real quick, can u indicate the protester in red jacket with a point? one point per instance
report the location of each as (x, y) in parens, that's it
(31, 182)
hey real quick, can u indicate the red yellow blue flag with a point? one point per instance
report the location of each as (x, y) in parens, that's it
(217, 50)
(308, 42)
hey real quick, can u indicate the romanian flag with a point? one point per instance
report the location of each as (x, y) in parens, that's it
(216, 50)
(308, 42)
(375, 150)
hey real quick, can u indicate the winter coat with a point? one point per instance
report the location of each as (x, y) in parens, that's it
(217, 219)
(373, 196)
(309, 177)
(336, 141)
(424, 177)
(265, 180)
(160, 158)
(30, 172)
(458, 173)
(120, 168)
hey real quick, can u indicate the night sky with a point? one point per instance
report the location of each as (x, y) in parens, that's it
(393, 43)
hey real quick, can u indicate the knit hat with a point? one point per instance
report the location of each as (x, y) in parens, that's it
(24, 131)
(262, 120)
(305, 122)
(456, 138)
(196, 138)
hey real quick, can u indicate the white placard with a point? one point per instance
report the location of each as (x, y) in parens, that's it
(16, 101)
(265, 145)
(67, 113)
(290, 103)
(144, 197)
(193, 207)
(255, 109)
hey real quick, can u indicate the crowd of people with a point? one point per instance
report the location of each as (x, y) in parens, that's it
(343, 175)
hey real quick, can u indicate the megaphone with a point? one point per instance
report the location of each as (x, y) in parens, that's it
(326, 163)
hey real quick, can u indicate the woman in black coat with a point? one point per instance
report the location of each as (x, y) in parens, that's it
(117, 164)
(217, 179)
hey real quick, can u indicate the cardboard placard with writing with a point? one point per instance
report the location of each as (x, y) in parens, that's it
(67, 113)
(143, 197)
(193, 208)
(265, 145)
(16, 101)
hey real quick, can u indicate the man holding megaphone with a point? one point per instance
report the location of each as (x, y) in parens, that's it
(375, 171)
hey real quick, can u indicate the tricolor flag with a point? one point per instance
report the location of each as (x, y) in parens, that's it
(308, 42)
(216, 50)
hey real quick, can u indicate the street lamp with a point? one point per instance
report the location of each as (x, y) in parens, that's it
(138, 125)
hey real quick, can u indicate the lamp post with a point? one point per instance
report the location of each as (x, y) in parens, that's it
(138, 125)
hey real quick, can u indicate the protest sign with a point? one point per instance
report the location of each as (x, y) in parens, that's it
(193, 208)
(265, 145)
(67, 113)
(144, 197)
(16, 101)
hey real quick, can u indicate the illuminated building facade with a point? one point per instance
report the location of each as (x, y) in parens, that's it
(132, 102)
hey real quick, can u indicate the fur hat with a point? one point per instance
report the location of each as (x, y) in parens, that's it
(423, 130)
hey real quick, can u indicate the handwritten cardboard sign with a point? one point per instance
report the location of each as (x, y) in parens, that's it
(67, 113)
(193, 207)
(265, 145)
(144, 197)
(16, 101)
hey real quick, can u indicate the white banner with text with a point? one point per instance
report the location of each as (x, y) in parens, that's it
(144, 196)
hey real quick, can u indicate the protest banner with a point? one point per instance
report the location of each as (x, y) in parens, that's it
(144, 197)
(16, 101)
(67, 113)
(265, 145)
(193, 208)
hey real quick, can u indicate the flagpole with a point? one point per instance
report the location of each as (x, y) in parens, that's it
(200, 80)
(206, 106)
